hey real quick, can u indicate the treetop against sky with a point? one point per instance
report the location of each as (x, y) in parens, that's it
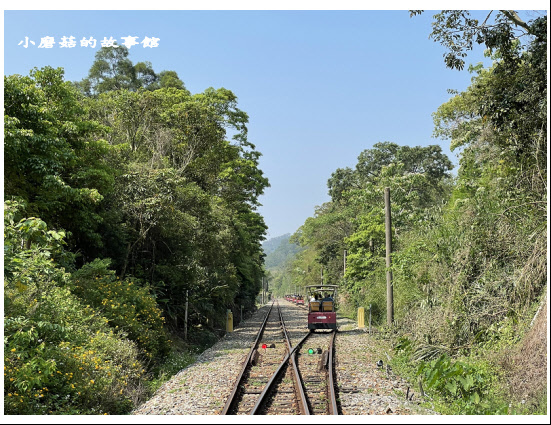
(319, 86)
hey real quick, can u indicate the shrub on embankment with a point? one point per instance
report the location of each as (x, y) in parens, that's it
(63, 355)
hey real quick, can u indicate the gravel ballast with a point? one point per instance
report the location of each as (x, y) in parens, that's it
(364, 388)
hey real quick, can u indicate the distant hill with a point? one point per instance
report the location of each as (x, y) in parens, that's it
(271, 245)
(278, 250)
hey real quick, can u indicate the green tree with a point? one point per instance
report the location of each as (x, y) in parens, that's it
(456, 30)
(113, 70)
(185, 195)
(378, 161)
(342, 180)
(168, 79)
(52, 160)
(419, 180)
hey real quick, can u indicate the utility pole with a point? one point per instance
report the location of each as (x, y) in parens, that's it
(185, 315)
(262, 297)
(344, 261)
(389, 288)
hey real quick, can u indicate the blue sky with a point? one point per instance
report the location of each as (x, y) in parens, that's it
(319, 86)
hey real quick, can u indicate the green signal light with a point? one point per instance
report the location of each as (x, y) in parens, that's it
(310, 351)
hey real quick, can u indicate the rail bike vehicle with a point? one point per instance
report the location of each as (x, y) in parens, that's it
(321, 307)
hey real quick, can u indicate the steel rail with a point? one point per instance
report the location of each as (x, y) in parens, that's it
(332, 405)
(290, 356)
(333, 408)
(298, 380)
(232, 398)
(271, 382)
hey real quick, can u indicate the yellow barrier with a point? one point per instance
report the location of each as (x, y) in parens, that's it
(229, 321)
(361, 317)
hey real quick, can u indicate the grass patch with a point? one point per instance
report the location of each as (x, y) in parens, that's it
(180, 357)
(462, 386)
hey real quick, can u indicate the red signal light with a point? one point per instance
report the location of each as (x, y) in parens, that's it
(264, 346)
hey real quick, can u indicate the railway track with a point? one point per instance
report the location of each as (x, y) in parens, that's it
(315, 365)
(271, 382)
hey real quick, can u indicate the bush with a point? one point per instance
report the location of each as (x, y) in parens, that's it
(464, 387)
(60, 355)
(467, 386)
(69, 362)
(129, 307)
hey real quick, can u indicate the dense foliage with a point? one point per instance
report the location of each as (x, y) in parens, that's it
(470, 258)
(60, 353)
(124, 199)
